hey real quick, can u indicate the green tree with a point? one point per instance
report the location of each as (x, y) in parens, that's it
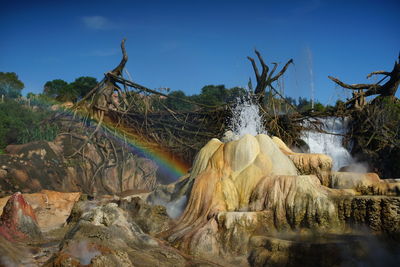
(234, 93)
(303, 104)
(175, 103)
(291, 100)
(18, 124)
(10, 85)
(54, 88)
(30, 95)
(319, 107)
(213, 95)
(68, 93)
(83, 85)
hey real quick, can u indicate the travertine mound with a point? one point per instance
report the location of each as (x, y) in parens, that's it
(252, 186)
(365, 183)
(316, 164)
(295, 201)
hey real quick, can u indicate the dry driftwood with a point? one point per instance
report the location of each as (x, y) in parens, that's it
(389, 88)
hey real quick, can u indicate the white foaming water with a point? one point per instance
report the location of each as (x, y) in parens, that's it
(330, 144)
(246, 119)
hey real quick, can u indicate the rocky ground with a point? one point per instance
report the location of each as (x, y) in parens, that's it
(250, 202)
(76, 161)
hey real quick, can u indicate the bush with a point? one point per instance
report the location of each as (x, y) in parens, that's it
(375, 132)
(20, 124)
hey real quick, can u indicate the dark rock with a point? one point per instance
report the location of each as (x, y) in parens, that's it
(379, 213)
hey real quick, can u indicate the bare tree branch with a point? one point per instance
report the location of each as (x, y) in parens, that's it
(273, 70)
(265, 79)
(253, 63)
(282, 71)
(353, 86)
(118, 70)
(265, 68)
(378, 72)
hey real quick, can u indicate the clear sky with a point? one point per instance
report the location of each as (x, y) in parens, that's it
(185, 45)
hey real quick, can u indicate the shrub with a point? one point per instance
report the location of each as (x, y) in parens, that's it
(20, 124)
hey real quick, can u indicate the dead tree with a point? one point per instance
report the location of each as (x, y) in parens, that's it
(266, 78)
(387, 89)
(102, 96)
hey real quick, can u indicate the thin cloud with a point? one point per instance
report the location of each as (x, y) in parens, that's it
(97, 23)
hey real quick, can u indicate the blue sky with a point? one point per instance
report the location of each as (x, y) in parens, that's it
(185, 45)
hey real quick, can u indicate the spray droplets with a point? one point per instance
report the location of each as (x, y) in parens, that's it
(246, 119)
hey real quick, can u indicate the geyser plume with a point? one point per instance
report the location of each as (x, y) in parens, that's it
(246, 119)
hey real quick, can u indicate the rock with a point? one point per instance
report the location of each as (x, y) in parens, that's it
(18, 220)
(295, 202)
(238, 194)
(104, 235)
(43, 165)
(281, 164)
(353, 180)
(50, 207)
(306, 164)
(152, 219)
(14, 254)
(202, 158)
(238, 155)
(364, 183)
(378, 213)
(241, 176)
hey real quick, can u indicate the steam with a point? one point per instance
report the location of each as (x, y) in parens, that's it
(174, 208)
(246, 119)
(372, 250)
(83, 252)
(358, 167)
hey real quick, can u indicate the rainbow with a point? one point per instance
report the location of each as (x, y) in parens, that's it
(170, 167)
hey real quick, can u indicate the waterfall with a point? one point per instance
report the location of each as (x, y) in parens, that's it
(246, 119)
(330, 144)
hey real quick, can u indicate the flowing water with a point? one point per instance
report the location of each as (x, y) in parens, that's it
(246, 119)
(330, 144)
